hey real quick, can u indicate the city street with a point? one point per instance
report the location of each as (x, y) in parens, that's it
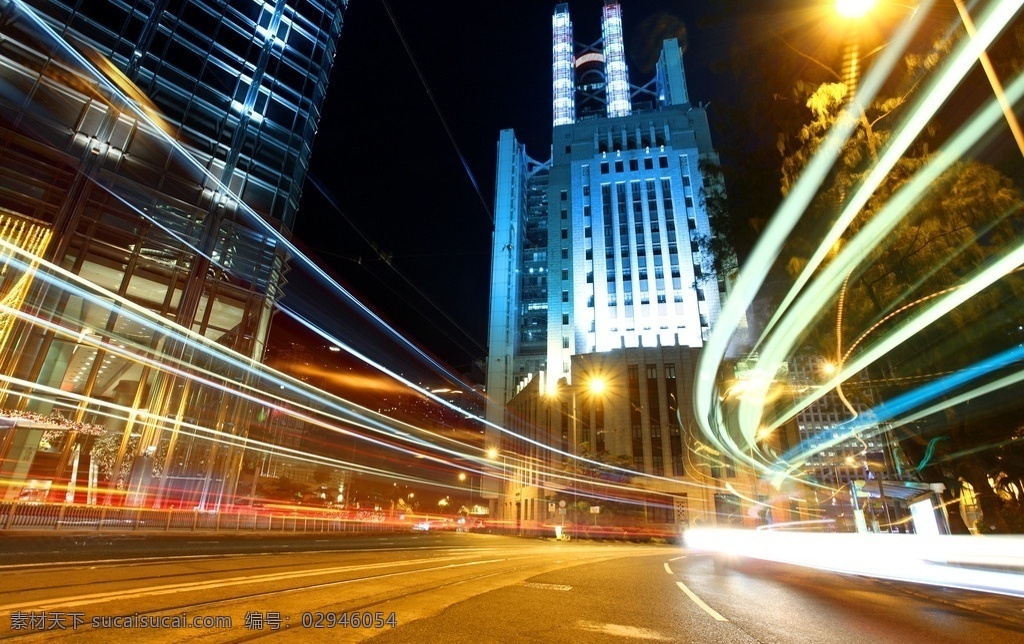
(462, 587)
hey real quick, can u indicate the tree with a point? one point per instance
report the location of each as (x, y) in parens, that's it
(971, 215)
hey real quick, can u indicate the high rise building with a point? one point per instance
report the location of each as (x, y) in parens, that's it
(599, 247)
(599, 253)
(150, 149)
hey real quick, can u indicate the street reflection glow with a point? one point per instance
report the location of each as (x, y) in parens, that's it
(954, 561)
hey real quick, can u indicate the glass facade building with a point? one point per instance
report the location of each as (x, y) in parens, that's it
(152, 151)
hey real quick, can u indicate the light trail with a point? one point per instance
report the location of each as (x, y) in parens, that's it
(817, 286)
(240, 378)
(237, 378)
(821, 292)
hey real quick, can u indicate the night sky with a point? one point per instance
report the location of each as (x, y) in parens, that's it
(410, 227)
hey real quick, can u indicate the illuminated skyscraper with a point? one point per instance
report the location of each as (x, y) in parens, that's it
(599, 268)
(599, 247)
(149, 149)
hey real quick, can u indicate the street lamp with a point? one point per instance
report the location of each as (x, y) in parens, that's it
(852, 11)
(494, 454)
(462, 479)
(854, 8)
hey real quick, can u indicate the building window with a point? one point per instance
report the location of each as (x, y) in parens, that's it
(565, 195)
(618, 166)
(635, 413)
(565, 296)
(565, 273)
(634, 164)
(565, 214)
(565, 318)
(663, 162)
(565, 233)
(565, 253)
(604, 167)
(648, 164)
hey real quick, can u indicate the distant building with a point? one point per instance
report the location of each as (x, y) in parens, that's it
(147, 152)
(599, 256)
(868, 459)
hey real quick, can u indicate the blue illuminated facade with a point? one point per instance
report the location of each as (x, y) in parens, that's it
(599, 272)
(599, 247)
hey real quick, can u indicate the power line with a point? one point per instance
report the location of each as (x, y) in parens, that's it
(437, 109)
(387, 259)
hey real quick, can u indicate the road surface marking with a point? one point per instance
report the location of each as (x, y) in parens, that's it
(621, 631)
(668, 570)
(700, 602)
(533, 584)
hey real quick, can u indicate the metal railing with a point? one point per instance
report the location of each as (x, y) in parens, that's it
(51, 516)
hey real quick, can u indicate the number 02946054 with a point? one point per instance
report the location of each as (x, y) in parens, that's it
(355, 619)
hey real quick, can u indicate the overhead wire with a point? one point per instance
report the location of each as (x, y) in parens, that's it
(437, 109)
(389, 262)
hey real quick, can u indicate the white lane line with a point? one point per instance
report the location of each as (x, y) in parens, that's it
(700, 602)
(668, 570)
(533, 584)
(678, 558)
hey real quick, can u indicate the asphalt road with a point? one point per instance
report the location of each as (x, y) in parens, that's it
(457, 587)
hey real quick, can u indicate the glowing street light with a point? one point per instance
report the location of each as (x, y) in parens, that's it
(854, 8)
(852, 11)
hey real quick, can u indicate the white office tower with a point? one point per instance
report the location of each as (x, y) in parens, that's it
(598, 248)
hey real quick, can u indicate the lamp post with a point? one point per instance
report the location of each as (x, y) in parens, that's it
(853, 11)
(462, 479)
(493, 454)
